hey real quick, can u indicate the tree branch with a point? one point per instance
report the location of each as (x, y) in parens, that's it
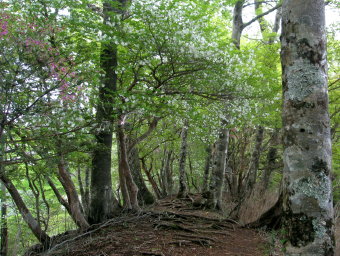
(260, 16)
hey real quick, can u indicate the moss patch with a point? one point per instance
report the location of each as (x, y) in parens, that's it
(300, 229)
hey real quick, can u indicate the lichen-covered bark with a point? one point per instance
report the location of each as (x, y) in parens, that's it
(307, 201)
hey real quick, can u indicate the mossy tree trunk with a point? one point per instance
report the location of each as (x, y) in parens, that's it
(307, 191)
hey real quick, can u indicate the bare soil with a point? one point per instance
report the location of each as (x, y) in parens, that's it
(169, 228)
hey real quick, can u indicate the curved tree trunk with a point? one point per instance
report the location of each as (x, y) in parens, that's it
(72, 196)
(152, 181)
(144, 195)
(183, 187)
(307, 190)
(130, 196)
(60, 199)
(25, 213)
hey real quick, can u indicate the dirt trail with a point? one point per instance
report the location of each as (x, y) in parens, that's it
(171, 227)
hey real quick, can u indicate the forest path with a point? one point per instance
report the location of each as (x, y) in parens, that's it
(171, 227)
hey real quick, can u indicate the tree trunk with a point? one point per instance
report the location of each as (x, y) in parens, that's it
(130, 197)
(26, 214)
(264, 26)
(144, 195)
(166, 174)
(237, 23)
(101, 200)
(207, 170)
(60, 199)
(84, 189)
(183, 187)
(72, 195)
(4, 228)
(307, 190)
(151, 179)
(218, 171)
(276, 27)
(255, 160)
(271, 159)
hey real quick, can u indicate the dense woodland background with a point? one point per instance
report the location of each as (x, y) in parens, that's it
(160, 93)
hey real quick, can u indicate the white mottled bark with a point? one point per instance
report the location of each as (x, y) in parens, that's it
(307, 202)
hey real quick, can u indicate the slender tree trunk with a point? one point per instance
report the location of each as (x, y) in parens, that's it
(72, 195)
(278, 17)
(26, 214)
(60, 199)
(183, 187)
(255, 160)
(4, 228)
(264, 26)
(151, 179)
(207, 169)
(166, 173)
(144, 195)
(192, 175)
(169, 172)
(218, 171)
(163, 177)
(84, 189)
(131, 195)
(271, 159)
(35, 193)
(307, 190)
